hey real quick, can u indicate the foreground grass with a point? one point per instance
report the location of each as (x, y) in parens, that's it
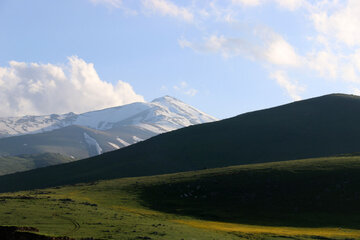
(155, 207)
(261, 231)
(106, 210)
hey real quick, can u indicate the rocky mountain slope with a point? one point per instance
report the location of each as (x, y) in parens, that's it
(82, 135)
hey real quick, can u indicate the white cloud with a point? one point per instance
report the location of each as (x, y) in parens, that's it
(120, 4)
(204, 13)
(292, 88)
(336, 45)
(333, 50)
(227, 47)
(221, 13)
(167, 8)
(32, 88)
(246, 2)
(324, 62)
(274, 49)
(290, 4)
(341, 24)
(181, 86)
(191, 92)
(184, 43)
(287, 4)
(110, 3)
(184, 88)
(280, 52)
(334, 63)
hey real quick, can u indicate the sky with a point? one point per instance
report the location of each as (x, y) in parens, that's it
(223, 57)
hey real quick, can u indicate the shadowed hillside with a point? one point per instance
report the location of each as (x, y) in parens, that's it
(321, 192)
(25, 233)
(316, 127)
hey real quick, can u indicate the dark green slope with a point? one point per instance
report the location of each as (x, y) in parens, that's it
(322, 126)
(321, 192)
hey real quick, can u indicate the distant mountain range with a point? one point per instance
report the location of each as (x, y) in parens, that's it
(317, 127)
(78, 136)
(161, 115)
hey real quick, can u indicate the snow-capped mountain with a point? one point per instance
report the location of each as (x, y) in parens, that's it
(92, 133)
(161, 115)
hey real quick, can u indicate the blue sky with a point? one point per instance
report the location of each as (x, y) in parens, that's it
(223, 57)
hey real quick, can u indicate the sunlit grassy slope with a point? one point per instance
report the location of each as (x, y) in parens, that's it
(316, 127)
(302, 199)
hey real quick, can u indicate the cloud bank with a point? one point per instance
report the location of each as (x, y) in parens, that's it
(36, 89)
(331, 52)
(327, 48)
(167, 8)
(272, 48)
(269, 48)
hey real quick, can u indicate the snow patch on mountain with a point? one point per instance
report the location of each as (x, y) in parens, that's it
(93, 144)
(106, 118)
(34, 124)
(137, 139)
(114, 145)
(122, 142)
(161, 115)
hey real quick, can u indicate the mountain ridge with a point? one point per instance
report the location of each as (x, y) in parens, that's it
(97, 119)
(93, 133)
(317, 127)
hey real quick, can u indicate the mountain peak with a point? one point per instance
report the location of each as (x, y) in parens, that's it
(165, 98)
(332, 100)
(343, 95)
(337, 96)
(162, 114)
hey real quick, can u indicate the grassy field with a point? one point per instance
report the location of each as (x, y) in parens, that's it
(305, 199)
(106, 210)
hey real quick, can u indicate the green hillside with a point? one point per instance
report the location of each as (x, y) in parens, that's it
(316, 127)
(321, 192)
(24, 162)
(301, 199)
